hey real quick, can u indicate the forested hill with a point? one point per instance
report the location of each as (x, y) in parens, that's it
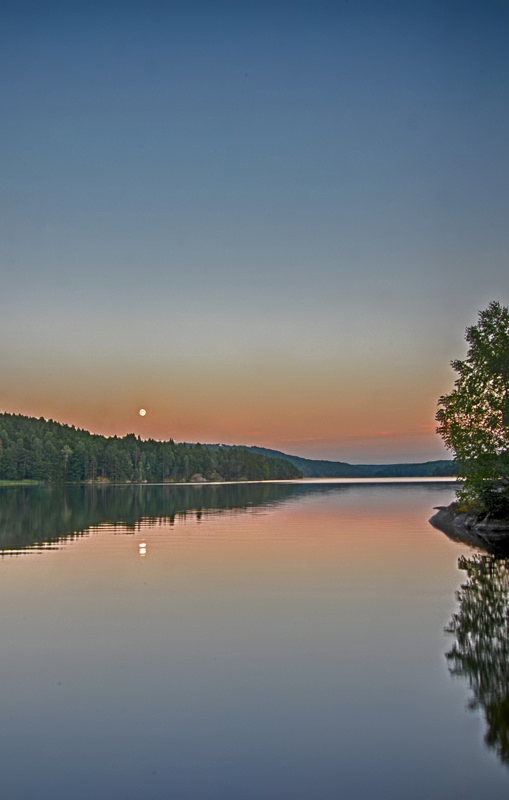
(312, 468)
(40, 449)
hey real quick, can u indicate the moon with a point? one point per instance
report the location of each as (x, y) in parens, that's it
(142, 412)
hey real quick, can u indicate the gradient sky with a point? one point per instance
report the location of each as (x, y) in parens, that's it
(266, 223)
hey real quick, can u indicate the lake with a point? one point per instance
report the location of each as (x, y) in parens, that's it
(243, 641)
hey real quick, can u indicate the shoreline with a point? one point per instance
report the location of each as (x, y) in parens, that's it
(488, 534)
(102, 483)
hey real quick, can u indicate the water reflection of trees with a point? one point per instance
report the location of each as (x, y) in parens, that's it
(481, 649)
(35, 516)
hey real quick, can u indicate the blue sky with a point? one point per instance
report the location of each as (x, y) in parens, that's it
(266, 223)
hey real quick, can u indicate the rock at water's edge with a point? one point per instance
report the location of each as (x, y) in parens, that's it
(470, 528)
(449, 515)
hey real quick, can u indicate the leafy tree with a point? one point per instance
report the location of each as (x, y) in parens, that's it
(474, 417)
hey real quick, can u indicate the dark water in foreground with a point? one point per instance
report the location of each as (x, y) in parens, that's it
(249, 641)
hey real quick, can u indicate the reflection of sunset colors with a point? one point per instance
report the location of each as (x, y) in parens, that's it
(380, 531)
(294, 648)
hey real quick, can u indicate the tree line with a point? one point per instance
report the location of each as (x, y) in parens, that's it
(45, 450)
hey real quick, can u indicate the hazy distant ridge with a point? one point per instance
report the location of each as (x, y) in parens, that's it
(313, 468)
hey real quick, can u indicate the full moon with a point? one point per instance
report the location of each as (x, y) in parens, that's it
(142, 412)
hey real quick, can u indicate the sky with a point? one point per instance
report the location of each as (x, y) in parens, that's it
(265, 223)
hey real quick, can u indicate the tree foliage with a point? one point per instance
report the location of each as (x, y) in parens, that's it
(474, 417)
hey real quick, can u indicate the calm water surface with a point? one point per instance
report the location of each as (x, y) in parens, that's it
(250, 641)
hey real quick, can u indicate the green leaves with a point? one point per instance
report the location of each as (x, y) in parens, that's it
(46, 450)
(474, 417)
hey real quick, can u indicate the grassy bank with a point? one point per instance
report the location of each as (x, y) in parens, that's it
(21, 483)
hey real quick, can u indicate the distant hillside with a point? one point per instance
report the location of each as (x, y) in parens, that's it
(312, 468)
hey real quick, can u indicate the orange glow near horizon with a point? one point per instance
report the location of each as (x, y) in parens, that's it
(321, 414)
(319, 409)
